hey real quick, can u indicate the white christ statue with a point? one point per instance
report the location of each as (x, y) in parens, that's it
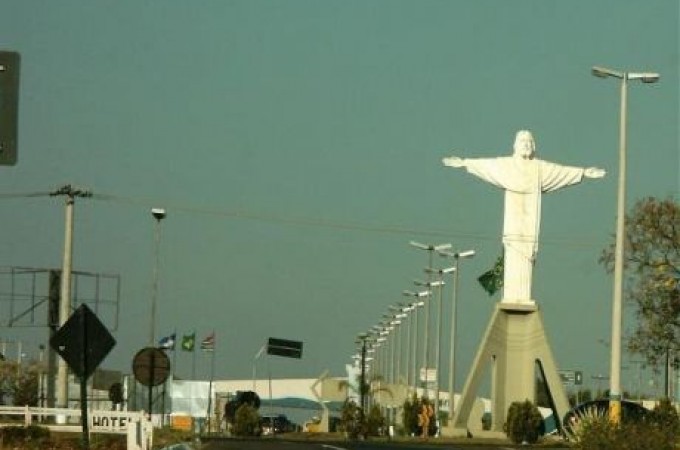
(524, 178)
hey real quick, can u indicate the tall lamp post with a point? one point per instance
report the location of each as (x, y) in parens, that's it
(617, 302)
(430, 285)
(430, 249)
(455, 271)
(411, 308)
(399, 311)
(158, 214)
(418, 295)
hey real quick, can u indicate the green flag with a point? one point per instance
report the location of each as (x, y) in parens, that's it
(188, 342)
(492, 280)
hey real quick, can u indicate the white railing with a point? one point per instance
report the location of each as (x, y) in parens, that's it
(135, 425)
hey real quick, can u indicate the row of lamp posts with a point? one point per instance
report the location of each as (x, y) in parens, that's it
(382, 347)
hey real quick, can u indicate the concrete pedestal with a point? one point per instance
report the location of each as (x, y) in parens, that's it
(513, 347)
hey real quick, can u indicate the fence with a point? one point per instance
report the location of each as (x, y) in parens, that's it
(135, 425)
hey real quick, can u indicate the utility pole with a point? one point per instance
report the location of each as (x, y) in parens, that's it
(65, 300)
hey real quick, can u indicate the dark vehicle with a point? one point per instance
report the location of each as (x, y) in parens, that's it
(275, 424)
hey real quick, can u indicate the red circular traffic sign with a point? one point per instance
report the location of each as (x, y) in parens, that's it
(151, 366)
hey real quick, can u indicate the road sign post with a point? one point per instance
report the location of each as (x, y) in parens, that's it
(83, 342)
(151, 367)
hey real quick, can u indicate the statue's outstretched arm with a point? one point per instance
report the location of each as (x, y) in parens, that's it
(454, 161)
(594, 172)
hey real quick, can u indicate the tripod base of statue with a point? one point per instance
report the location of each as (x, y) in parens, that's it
(514, 352)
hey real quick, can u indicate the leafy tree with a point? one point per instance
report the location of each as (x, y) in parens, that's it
(652, 257)
(249, 398)
(19, 383)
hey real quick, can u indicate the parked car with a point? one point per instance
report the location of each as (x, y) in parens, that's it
(275, 424)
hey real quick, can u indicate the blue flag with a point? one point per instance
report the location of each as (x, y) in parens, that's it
(168, 342)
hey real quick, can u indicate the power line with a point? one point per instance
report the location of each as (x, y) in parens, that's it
(586, 242)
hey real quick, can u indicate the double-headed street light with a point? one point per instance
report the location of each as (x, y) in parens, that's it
(410, 308)
(430, 249)
(419, 302)
(617, 302)
(400, 315)
(430, 285)
(455, 272)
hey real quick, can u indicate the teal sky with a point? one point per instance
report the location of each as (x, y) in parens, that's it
(296, 146)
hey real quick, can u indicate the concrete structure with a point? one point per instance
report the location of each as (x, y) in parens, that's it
(513, 348)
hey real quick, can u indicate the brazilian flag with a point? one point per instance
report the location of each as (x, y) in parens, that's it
(492, 280)
(188, 342)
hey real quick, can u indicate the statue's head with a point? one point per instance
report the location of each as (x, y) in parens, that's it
(524, 147)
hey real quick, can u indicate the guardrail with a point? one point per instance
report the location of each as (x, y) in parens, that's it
(135, 425)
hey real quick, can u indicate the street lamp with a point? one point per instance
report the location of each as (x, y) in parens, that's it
(418, 295)
(617, 302)
(408, 309)
(430, 249)
(426, 356)
(454, 318)
(437, 353)
(158, 214)
(400, 313)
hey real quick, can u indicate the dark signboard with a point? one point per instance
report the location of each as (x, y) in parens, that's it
(284, 347)
(83, 342)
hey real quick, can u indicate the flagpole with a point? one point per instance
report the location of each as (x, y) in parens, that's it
(174, 353)
(212, 373)
(172, 371)
(193, 360)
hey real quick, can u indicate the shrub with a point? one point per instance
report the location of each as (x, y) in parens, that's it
(375, 422)
(31, 437)
(666, 417)
(351, 419)
(246, 421)
(524, 423)
(659, 430)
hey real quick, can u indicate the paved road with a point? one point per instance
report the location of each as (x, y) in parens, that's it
(279, 444)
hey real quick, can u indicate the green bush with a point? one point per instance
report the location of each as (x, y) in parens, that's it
(657, 430)
(375, 422)
(247, 421)
(351, 419)
(30, 437)
(666, 418)
(597, 433)
(524, 423)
